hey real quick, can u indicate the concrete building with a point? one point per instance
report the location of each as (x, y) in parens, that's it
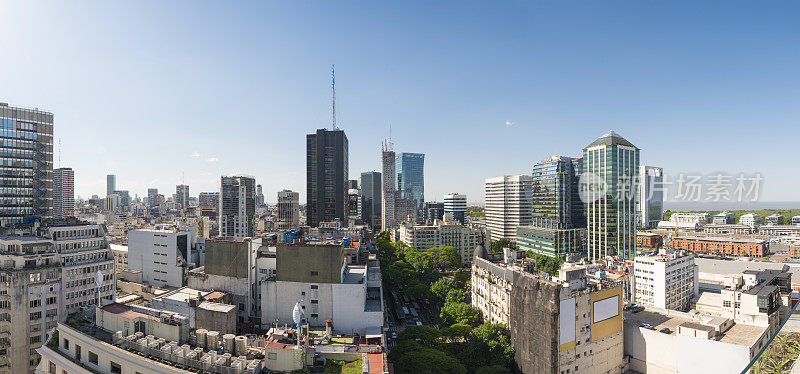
(650, 210)
(389, 193)
(724, 218)
(327, 171)
(182, 196)
(410, 168)
(565, 244)
(237, 206)
(405, 210)
(371, 200)
(30, 297)
(260, 196)
(455, 207)
(463, 238)
(509, 204)
(327, 285)
(667, 280)
(28, 135)
(556, 324)
(120, 257)
(111, 184)
(432, 211)
(610, 167)
(774, 219)
(751, 220)
(63, 193)
(733, 229)
(288, 210)
(700, 219)
(779, 230)
(161, 255)
(796, 220)
(203, 309)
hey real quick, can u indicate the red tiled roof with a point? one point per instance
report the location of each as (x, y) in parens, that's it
(125, 311)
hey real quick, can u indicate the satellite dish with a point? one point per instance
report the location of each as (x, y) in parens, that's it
(98, 279)
(297, 313)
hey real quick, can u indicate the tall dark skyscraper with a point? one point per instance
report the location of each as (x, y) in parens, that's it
(237, 200)
(111, 184)
(410, 168)
(28, 148)
(371, 198)
(556, 203)
(326, 176)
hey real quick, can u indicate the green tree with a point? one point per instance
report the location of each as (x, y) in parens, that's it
(440, 289)
(455, 296)
(444, 257)
(494, 369)
(428, 360)
(462, 313)
(547, 264)
(489, 344)
(461, 278)
(498, 245)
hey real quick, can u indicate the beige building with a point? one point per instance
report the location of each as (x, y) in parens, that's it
(120, 257)
(463, 238)
(509, 204)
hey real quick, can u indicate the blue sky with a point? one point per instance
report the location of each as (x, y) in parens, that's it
(151, 90)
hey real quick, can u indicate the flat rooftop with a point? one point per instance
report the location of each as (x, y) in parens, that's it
(183, 294)
(724, 239)
(738, 334)
(708, 265)
(355, 274)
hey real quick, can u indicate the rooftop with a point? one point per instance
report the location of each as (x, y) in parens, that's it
(738, 334)
(708, 265)
(611, 138)
(724, 239)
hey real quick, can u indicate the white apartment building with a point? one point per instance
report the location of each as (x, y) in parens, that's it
(464, 239)
(650, 208)
(509, 204)
(161, 255)
(692, 218)
(83, 251)
(667, 281)
(120, 257)
(288, 210)
(751, 220)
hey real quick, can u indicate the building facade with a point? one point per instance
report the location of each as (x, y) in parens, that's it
(751, 220)
(371, 198)
(27, 164)
(455, 207)
(111, 184)
(565, 244)
(463, 238)
(161, 255)
(63, 193)
(410, 169)
(509, 204)
(182, 196)
(237, 206)
(288, 210)
(326, 176)
(609, 183)
(667, 281)
(650, 210)
(556, 202)
(389, 193)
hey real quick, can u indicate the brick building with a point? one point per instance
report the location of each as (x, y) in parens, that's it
(722, 246)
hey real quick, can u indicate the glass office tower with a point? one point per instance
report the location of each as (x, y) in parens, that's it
(411, 177)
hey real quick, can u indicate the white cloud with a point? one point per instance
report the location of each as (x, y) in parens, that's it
(212, 159)
(509, 123)
(195, 155)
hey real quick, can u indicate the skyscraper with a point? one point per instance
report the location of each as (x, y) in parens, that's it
(651, 196)
(288, 210)
(326, 176)
(555, 198)
(389, 193)
(455, 207)
(509, 205)
(63, 193)
(237, 206)
(259, 195)
(182, 196)
(610, 166)
(111, 184)
(152, 197)
(28, 136)
(410, 168)
(371, 198)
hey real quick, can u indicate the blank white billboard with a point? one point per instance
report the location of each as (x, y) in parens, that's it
(566, 322)
(605, 309)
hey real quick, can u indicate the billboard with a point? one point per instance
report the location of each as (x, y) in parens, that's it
(606, 313)
(566, 324)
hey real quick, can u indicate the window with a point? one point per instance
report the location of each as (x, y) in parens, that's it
(314, 273)
(52, 368)
(314, 301)
(314, 315)
(314, 286)
(93, 357)
(66, 343)
(272, 356)
(36, 339)
(115, 368)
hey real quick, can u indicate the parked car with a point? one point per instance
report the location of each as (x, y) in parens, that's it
(665, 331)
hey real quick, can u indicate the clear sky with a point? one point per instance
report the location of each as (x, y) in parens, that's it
(149, 90)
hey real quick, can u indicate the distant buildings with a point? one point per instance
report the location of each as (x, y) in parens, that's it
(463, 238)
(774, 219)
(28, 135)
(556, 202)
(237, 206)
(63, 193)
(724, 218)
(371, 201)
(565, 244)
(667, 281)
(111, 184)
(650, 210)
(610, 165)
(751, 220)
(455, 207)
(723, 246)
(182, 196)
(410, 168)
(326, 176)
(556, 324)
(288, 210)
(432, 211)
(509, 204)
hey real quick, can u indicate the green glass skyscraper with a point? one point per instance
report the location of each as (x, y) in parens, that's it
(608, 188)
(410, 168)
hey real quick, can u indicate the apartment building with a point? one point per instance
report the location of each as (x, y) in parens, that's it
(667, 280)
(423, 237)
(509, 204)
(751, 220)
(161, 255)
(722, 245)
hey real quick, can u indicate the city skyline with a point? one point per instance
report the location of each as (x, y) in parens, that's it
(512, 82)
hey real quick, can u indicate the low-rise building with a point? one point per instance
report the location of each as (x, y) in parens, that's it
(565, 244)
(649, 240)
(462, 238)
(728, 229)
(724, 218)
(722, 246)
(774, 219)
(161, 255)
(556, 323)
(796, 220)
(204, 309)
(120, 257)
(779, 230)
(751, 220)
(698, 218)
